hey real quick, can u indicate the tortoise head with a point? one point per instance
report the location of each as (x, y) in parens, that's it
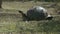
(49, 17)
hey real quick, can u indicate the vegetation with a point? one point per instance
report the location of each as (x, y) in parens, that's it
(11, 21)
(35, 0)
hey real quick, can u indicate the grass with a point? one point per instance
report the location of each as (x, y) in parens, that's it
(11, 20)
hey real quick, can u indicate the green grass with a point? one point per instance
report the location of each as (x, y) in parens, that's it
(11, 20)
(39, 26)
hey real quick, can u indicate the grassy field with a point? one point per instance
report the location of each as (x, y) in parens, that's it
(11, 20)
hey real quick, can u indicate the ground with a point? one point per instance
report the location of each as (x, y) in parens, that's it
(11, 20)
